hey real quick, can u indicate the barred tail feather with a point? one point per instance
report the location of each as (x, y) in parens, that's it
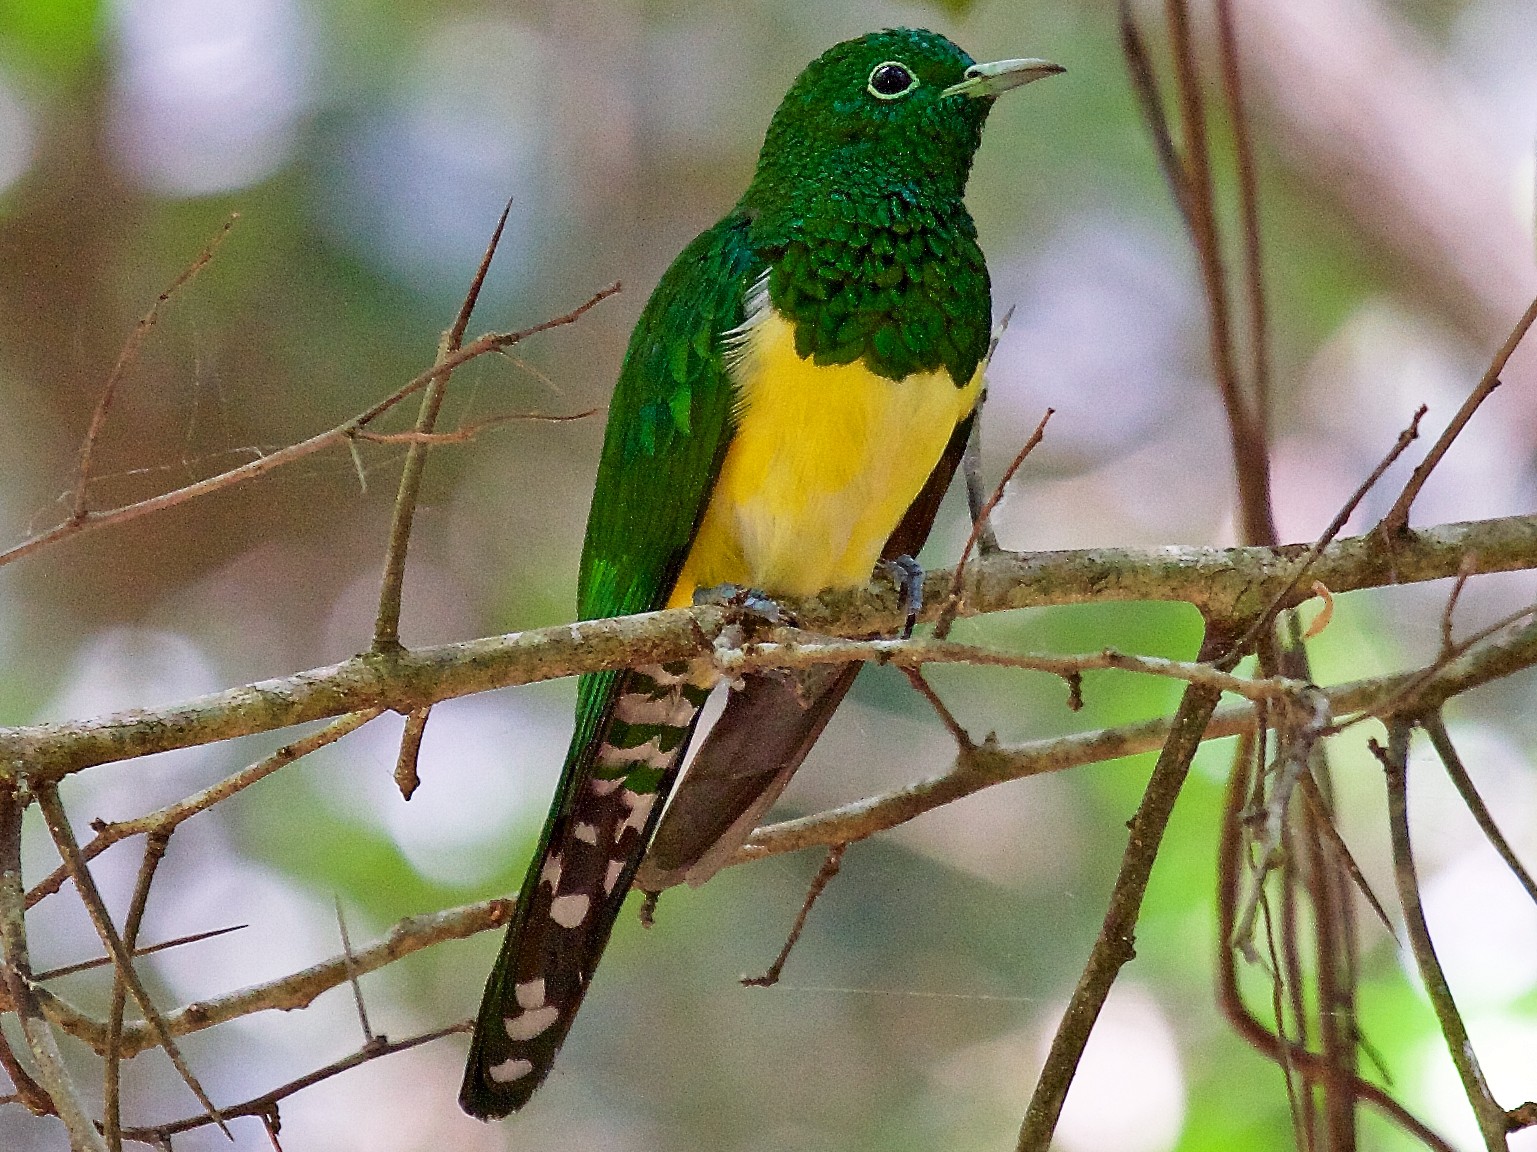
(613, 791)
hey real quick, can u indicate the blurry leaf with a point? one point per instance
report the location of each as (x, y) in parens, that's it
(954, 7)
(51, 36)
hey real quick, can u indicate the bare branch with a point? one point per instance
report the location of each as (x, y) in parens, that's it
(1336, 526)
(64, 838)
(167, 818)
(265, 1105)
(1395, 764)
(154, 851)
(1223, 583)
(63, 1097)
(819, 882)
(407, 778)
(296, 990)
(1435, 727)
(387, 625)
(341, 435)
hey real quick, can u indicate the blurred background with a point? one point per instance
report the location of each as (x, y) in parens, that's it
(368, 147)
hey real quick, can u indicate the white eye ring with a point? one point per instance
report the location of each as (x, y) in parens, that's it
(912, 80)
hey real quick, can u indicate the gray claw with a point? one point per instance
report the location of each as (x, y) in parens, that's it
(907, 573)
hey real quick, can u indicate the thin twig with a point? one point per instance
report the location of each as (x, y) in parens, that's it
(1435, 727)
(952, 604)
(147, 950)
(1287, 1053)
(971, 458)
(957, 731)
(352, 974)
(264, 1104)
(1296, 740)
(1396, 522)
(1144, 82)
(29, 1093)
(1464, 574)
(85, 884)
(1251, 456)
(63, 1097)
(167, 818)
(1115, 947)
(824, 876)
(1248, 207)
(1395, 765)
(1319, 810)
(793, 649)
(1405, 438)
(154, 851)
(387, 624)
(127, 356)
(294, 990)
(467, 432)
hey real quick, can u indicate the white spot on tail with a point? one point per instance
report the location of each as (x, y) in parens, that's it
(527, 1025)
(586, 833)
(614, 868)
(530, 993)
(569, 911)
(509, 1070)
(674, 710)
(650, 753)
(602, 786)
(640, 807)
(550, 873)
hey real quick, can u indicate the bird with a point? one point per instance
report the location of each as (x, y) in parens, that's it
(790, 409)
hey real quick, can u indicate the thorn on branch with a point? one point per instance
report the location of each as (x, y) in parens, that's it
(407, 779)
(1074, 691)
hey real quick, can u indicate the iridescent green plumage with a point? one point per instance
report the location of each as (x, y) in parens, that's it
(855, 214)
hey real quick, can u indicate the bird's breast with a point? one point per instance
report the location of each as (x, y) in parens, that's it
(824, 462)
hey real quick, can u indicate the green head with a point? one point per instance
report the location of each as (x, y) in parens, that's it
(893, 110)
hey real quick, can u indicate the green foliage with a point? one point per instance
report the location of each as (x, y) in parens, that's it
(51, 37)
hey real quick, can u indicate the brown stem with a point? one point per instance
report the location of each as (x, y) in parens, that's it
(154, 851)
(1115, 947)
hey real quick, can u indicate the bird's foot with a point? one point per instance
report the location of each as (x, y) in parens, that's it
(907, 574)
(751, 602)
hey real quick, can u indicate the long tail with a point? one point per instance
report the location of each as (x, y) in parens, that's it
(618, 773)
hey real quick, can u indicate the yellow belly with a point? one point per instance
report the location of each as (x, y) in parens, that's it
(824, 463)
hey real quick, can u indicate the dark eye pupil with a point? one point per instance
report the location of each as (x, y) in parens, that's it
(891, 79)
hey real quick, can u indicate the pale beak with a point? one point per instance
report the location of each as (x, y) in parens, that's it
(1001, 75)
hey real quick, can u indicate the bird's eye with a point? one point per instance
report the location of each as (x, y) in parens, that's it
(890, 80)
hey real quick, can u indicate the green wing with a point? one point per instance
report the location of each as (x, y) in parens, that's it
(668, 426)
